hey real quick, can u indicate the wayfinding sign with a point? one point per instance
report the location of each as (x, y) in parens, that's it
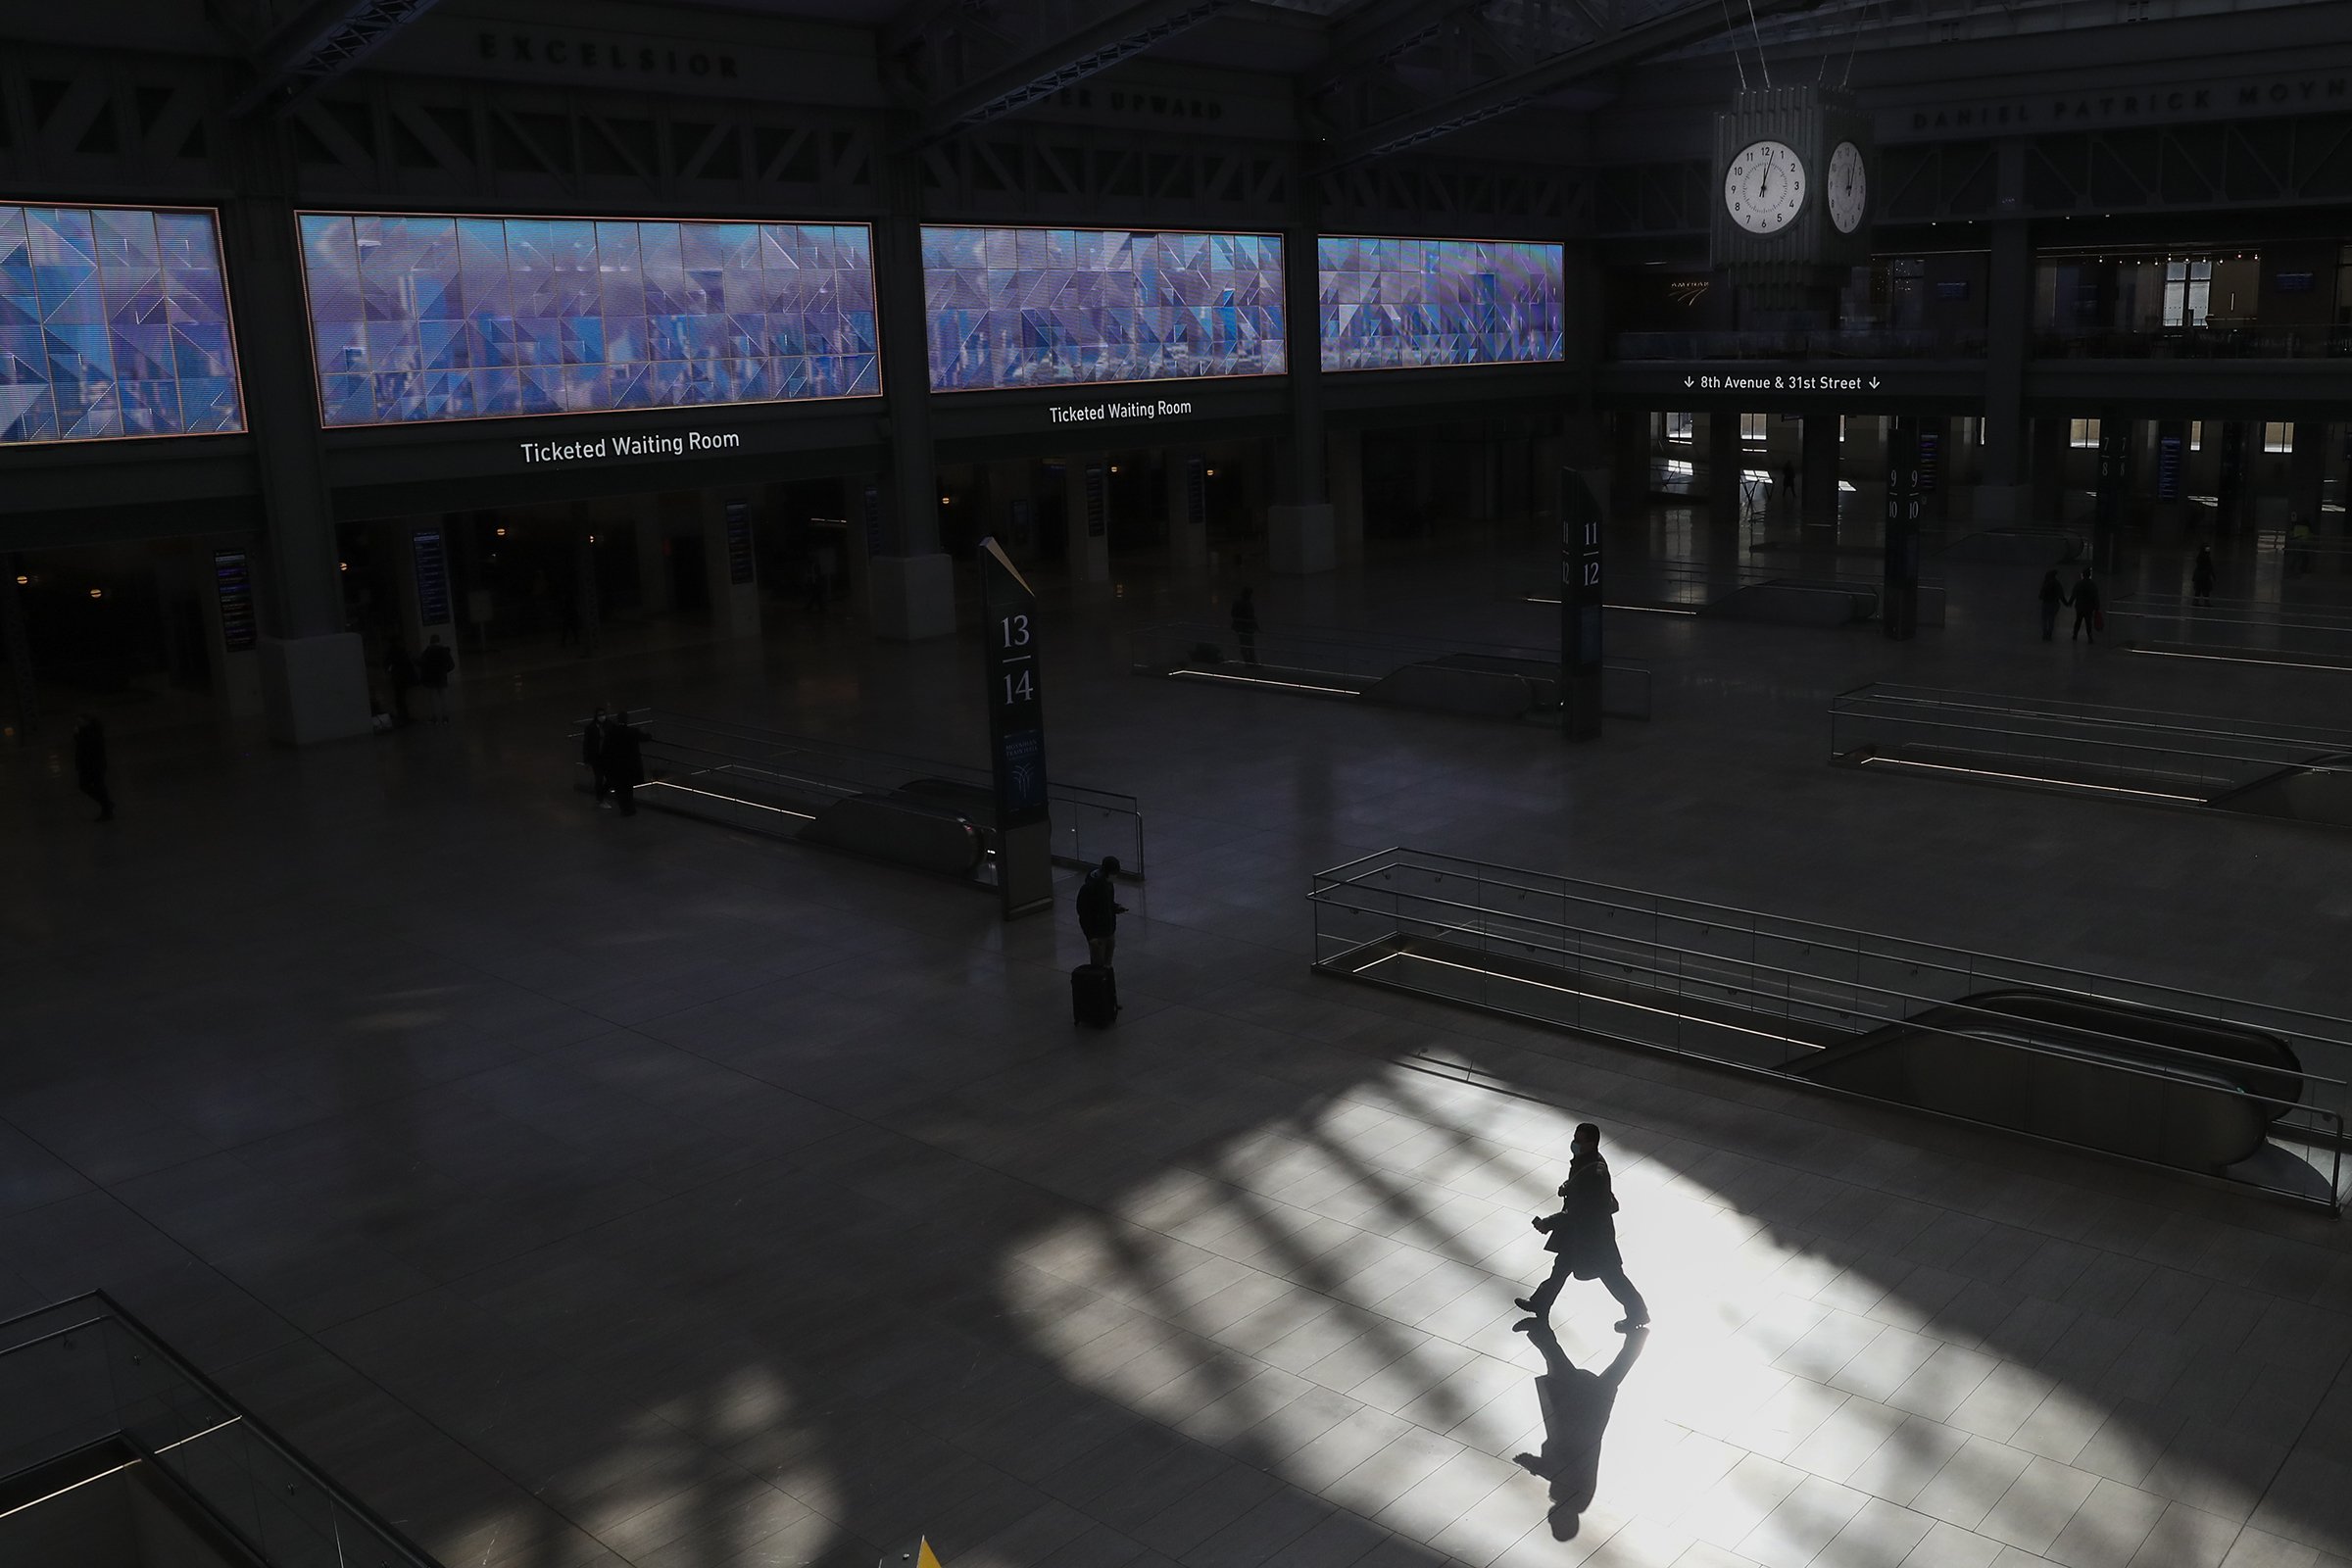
(1898, 600)
(1580, 607)
(1016, 735)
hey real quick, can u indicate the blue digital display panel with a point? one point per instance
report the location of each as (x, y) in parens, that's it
(419, 317)
(114, 321)
(1399, 304)
(1057, 307)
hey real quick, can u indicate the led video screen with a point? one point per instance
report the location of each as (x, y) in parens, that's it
(1057, 307)
(421, 317)
(1399, 304)
(114, 321)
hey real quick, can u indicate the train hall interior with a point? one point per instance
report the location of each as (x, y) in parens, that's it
(1175, 783)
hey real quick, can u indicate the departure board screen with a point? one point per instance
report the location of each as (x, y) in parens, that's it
(1390, 303)
(114, 321)
(438, 316)
(1059, 307)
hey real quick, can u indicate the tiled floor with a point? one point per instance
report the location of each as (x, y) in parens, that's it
(587, 1192)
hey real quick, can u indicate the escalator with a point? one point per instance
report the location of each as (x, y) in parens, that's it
(2318, 790)
(2168, 1088)
(2162, 1087)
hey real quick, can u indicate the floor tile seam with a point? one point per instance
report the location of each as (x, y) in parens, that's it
(1151, 1308)
(2339, 1383)
(1800, 1098)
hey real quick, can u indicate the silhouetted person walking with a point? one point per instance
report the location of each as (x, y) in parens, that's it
(1245, 624)
(2200, 576)
(625, 763)
(400, 672)
(1576, 1406)
(89, 764)
(1583, 1237)
(433, 669)
(592, 752)
(2054, 594)
(2085, 600)
(1098, 911)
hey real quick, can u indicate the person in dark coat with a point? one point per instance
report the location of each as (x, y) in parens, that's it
(1583, 1237)
(1245, 624)
(1576, 1406)
(399, 670)
(2085, 600)
(625, 763)
(2054, 594)
(1098, 911)
(2200, 575)
(89, 764)
(433, 669)
(592, 755)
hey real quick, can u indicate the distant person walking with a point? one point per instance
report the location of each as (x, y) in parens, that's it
(2298, 547)
(1583, 1237)
(1245, 624)
(2085, 600)
(2053, 595)
(2200, 576)
(89, 764)
(434, 669)
(400, 674)
(592, 755)
(623, 757)
(1098, 911)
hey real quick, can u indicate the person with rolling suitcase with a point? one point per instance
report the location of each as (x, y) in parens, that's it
(1093, 986)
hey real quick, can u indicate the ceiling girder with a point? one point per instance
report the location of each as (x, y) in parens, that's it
(323, 41)
(1599, 49)
(1097, 46)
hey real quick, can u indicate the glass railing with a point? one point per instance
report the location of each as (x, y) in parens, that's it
(86, 1372)
(2240, 1090)
(764, 772)
(1345, 662)
(2318, 342)
(2083, 746)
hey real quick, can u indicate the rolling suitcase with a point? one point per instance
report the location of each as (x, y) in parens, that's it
(1094, 995)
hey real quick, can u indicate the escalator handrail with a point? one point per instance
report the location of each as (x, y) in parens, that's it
(343, 1498)
(1636, 902)
(1925, 1002)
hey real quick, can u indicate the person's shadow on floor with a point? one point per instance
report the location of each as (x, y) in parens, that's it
(1576, 1406)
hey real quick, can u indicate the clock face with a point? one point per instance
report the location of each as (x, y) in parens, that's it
(1849, 187)
(1765, 187)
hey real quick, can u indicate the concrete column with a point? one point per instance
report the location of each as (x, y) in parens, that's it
(652, 560)
(1817, 470)
(1628, 462)
(727, 535)
(1725, 460)
(1187, 511)
(2001, 490)
(913, 582)
(2046, 482)
(1346, 475)
(1299, 527)
(2307, 474)
(314, 672)
(1086, 480)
